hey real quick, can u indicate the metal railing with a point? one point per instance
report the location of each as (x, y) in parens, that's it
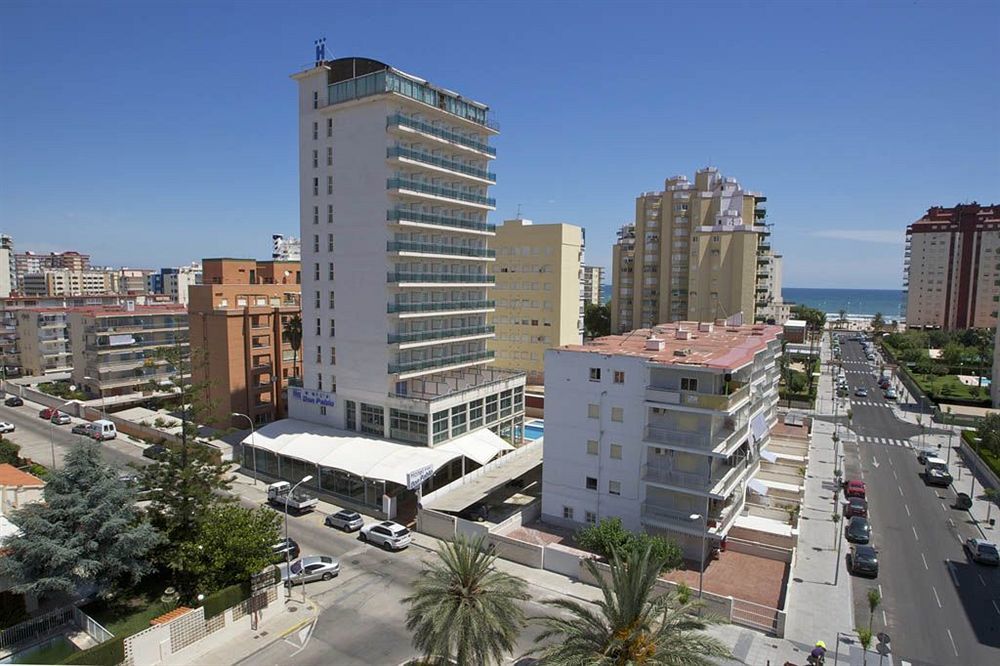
(438, 306)
(450, 165)
(439, 248)
(441, 133)
(755, 616)
(456, 278)
(440, 362)
(438, 191)
(665, 475)
(400, 215)
(91, 626)
(35, 628)
(438, 334)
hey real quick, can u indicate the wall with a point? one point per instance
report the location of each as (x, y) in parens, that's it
(14, 497)
(759, 549)
(765, 538)
(522, 552)
(435, 524)
(983, 472)
(470, 530)
(564, 560)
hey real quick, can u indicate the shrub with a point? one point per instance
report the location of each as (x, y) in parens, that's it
(217, 602)
(10, 452)
(109, 653)
(12, 609)
(609, 536)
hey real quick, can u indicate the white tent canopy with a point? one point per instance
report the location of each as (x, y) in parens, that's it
(483, 445)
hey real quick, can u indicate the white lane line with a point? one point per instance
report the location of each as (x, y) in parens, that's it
(936, 597)
(894, 475)
(953, 647)
(890, 464)
(880, 589)
(954, 576)
(943, 507)
(996, 608)
(885, 620)
(906, 506)
(914, 532)
(925, 562)
(951, 522)
(900, 488)
(981, 580)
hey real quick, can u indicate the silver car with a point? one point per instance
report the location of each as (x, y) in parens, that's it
(61, 419)
(348, 521)
(308, 569)
(389, 535)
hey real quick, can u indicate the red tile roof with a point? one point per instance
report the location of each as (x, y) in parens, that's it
(12, 476)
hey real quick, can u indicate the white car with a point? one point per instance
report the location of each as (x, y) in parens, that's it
(345, 520)
(7, 427)
(389, 535)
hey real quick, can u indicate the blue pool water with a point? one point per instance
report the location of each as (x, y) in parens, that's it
(533, 430)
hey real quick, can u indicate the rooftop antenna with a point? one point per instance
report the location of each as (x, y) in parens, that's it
(518, 211)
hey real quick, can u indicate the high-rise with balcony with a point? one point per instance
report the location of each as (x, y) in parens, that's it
(43, 341)
(952, 269)
(692, 253)
(537, 293)
(593, 280)
(662, 427)
(396, 266)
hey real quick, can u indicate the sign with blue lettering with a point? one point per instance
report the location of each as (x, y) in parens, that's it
(320, 45)
(311, 397)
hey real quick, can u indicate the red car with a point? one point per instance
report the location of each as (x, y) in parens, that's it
(856, 506)
(854, 489)
(46, 413)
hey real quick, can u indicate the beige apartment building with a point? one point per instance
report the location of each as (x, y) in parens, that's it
(593, 279)
(66, 282)
(538, 277)
(952, 269)
(43, 341)
(696, 251)
(237, 318)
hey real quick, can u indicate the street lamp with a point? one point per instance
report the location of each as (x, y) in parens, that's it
(100, 389)
(52, 428)
(288, 553)
(951, 433)
(704, 533)
(253, 444)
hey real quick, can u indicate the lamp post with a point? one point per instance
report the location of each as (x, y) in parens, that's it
(288, 554)
(52, 427)
(951, 433)
(253, 445)
(100, 390)
(704, 534)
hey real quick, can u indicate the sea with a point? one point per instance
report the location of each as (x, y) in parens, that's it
(857, 302)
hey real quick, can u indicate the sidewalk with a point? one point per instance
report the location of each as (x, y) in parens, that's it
(962, 482)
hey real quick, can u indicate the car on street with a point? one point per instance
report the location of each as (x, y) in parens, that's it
(859, 530)
(155, 452)
(13, 401)
(285, 546)
(924, 454)
(861, 392)
(854, 488)
(863, 560)
(307, 569)
(890, 394)
(982, 551)
(856, 506)
(46, 412)
(349, 521)
(389, 535)
(60, 418)
(81, 429)
(7, 427)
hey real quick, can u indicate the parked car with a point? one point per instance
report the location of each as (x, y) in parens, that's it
(289, 546)
(856, 506)
(859, 530)
(61, 418)
(982, 551)
(348, 521)
(46, 412)
(13, 401)
(854, 488)
(389, 535)
(280, 495)
(81, 429)
(102, 430)
(7, 427)
(924, 454)
(936, 472)
(313, 567)
(861, 392)
(863, 560)
(890, 394)
(963, 502)
(155, 452)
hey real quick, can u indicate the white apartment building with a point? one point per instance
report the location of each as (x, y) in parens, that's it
(43, 341)
(286, 248)
(662, 427)
(593, 280)
(8, 273)
(396, 276)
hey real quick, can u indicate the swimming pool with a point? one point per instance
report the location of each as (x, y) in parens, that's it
(534, 430)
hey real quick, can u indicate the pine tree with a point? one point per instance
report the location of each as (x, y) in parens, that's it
(87, 532)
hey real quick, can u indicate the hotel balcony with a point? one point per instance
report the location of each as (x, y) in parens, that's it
(437, 308)
(400, 155)
(431, 279)
(409, 218)
(436, 193)
(710, 401)
(409, 125)
(719, 485)
(414, 338)
(440, 250)
(408, 369)
(718, 444)
(718, 522)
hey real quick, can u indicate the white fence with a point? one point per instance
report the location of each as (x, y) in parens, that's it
(91, 626)
(36, 628)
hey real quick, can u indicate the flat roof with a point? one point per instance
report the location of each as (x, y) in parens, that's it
(720, 347)
(795, 323)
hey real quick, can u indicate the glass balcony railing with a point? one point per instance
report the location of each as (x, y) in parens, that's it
(440, 334)
(450, 165)
(447, 278)
(454, 137)
(437, 191)
(439, 248)
(440, 362)
(441, 306)
(400, 215)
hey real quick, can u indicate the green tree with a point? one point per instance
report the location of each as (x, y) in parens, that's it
(988, 432)
(878, 323)
(87, 531)
(865, 638)
(463, 608)
(842, 317)
(609, 537)
(954, 354)
(232, 543)
(815, 319)
(874, 599)
(292, 334)
(10, 452)
(596, 320)
(631, 623)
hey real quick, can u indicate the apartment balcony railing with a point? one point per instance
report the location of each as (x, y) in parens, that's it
(440, 334)
(450, 165)
(440, 306)
(440, 362)
(447, 278)
(715, 402)
(440, 248)
(426, 128)
(131, 328)
(400, 215)
(670, 517)
(438, 191)
(667, 476)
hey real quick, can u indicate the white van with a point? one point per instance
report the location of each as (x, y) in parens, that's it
(102, 429)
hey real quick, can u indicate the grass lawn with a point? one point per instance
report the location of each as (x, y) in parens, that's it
(126, 615)
(948, 386)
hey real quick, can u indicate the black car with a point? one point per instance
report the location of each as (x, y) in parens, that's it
(859, 530)
(286, 549)
(864, 561)
(13, 401)
(81, 429)
(155, 452)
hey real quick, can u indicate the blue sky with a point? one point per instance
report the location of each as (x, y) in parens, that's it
(151, 134)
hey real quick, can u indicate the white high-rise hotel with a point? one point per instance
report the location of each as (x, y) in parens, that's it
(396, 268)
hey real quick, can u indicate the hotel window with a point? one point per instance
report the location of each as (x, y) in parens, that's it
(319, 330)
(591, 483)
(619, 377)
(315, 187)
(333, 356)
(593, 411)
(591, 447)
(332, 299)
(315, 102)
(329, 243)
(315, 214)
(316, 272)
(329, 155)
(595, 373)
(319, 354)
(330, 272)
(317, 300)
(617, 414)
(315, 159)
(689, 384)
(590, 517)
(333, 328)
(315, 131)
(349, 415)
(319, 381)
(329, 213)
(329, 184)
(614, 487)
(476, 414)
(329, 126)
(568, 512)
(616, 452)
(372, 419)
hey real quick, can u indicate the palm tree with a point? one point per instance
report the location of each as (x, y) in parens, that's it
(293, 336)
(842, 317)
(878, 323)
(463, 608)
(630, 625)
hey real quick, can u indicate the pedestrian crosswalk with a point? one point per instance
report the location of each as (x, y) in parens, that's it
(872, 403)
(883, 441)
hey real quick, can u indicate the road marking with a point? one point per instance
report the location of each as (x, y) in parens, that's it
(925, 562)
(953, 647)
(996, 608)
(954, 576)
(880, 589)
(890, 464)
(885, 620)
(943, 507)
(951, 522)
(907, 507)
(900, 488)
(936, 596)
(894, 475)
(875, 462)
(914, 532)
(981, 580)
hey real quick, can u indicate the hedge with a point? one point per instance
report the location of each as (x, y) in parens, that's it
(991, 459)
(108, 653)
(217, 602)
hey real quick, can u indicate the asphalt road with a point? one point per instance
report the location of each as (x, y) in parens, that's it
(938, 606)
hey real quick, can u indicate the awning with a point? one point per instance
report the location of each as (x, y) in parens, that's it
(758, 426)
(368, 457)
(757, 487)
(768, 456)
(482, 445)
